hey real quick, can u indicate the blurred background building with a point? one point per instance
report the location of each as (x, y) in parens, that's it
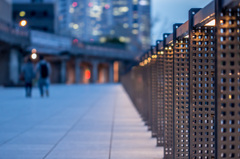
(123, 21)
(84, 41)
(39, 16)
(96, 21)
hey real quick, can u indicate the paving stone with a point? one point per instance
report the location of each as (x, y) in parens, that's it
(75, 122)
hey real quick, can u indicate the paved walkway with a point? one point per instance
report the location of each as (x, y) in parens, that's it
(76, 122)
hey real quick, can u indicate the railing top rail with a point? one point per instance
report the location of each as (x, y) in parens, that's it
(169, 39)
(183, 29)
(205, 15)
(160, 45)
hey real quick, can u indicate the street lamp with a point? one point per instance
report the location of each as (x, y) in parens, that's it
(23, 23)
(34, 54)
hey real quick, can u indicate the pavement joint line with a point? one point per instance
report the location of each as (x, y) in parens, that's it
(72, 127)
(24, 131)
(112, 128)
(18, 116)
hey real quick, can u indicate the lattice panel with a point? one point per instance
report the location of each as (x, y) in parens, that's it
(168, 98)
(202, 93)
(160, 98)
(228, 88)
(181, 99)
(149, 76)
(154, 96)
(145, 97)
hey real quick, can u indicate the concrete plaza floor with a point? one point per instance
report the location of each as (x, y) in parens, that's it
(75, 122)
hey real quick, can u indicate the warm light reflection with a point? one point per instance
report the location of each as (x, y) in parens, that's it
(74, 4)
(211, 23)
(116, 71)
(87, 74)
(22, 13)
(107, 6)
(34, 56)
(23, 23)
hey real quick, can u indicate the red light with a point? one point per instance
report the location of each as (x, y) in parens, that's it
(74, 4)
(88, 74)
(90, 4)
(75, 41)
(107, 6)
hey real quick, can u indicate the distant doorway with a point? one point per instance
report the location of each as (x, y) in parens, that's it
(103, 71)
(86, 72)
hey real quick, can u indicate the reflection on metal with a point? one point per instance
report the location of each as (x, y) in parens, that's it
(211, 23)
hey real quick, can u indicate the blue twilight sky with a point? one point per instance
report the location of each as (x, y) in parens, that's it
(167, 12)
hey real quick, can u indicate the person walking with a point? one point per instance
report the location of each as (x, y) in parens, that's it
(27, 73)
(43, 70)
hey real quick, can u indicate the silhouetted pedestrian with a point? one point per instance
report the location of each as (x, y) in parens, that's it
(28, 74)
(43, 70)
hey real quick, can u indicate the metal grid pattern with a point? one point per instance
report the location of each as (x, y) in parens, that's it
(149, 90)
(154, 95)
(228, 83)
(202, 93)
(168, 98)
(160, 98)
(145, 94)
(181, 98)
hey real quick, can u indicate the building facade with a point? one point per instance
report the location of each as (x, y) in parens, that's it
(5, 11)
(38, 16)
(127, 21)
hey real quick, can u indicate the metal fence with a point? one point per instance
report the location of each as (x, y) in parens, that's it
(187, 86)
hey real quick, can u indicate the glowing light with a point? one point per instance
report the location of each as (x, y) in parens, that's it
(103, 39)
(90, 4)
(154, 56)
(144, 3)
(107, 6)
(221, 22)
(22, 13)
(135, 31)
(34, 51)
(75, 40)
(71, 10)
(75, 26)
(87, 74)
(211, 23)
(135, 25)
(123, 9)
(23, 23)
(187, 36)
(74, 4)
(125, 25)
(34, 56)
(122, 39)
(145, 62)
